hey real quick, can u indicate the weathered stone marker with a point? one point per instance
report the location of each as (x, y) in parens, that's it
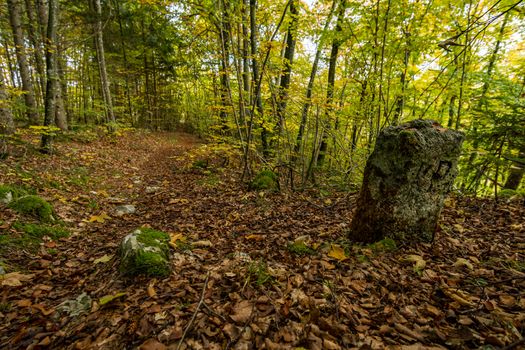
(407, 176)
(145, 251)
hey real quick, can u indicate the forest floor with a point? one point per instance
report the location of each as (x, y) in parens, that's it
(237, 280)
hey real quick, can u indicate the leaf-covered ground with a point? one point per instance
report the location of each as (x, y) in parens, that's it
(251, 270)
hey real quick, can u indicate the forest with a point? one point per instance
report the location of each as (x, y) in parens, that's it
(240, 141)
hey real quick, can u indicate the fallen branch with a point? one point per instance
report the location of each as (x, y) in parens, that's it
(201, 301)
(514, 345)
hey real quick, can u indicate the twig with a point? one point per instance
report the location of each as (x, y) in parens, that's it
(201, 301)
(514, 345)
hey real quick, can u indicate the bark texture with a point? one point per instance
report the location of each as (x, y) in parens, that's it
(405, 182)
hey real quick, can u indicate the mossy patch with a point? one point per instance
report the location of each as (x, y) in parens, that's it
(200, 164)
(265, 180)
(506, 193)
(145, 251)
(258, 273)
(300, 248)
(40, 231)
(34, 206)
(29, 236)
(384, 245)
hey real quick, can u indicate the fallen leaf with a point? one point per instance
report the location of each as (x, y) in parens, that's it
(242, 311)
(419, 262)
(109, 298)
(152, 344)
(460, 262)
(337, 252)
(255, 237)
(24, 303)
(100, 218)
(151, 290)
(14, 279)
(507, 300)
(202, 244)
(103, 259)
(42, 309)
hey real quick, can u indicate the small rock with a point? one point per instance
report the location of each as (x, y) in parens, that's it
(76, 307)
(125, 209)
(6, 198)
(2, 270)
(152, 189)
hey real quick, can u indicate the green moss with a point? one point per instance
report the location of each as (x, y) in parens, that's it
(16, 192)
(507, 193)
(151, 237)
(200, 164)
(265, 180)
(151, 264)
(34, 206)
(40, 231)
(300, 248)
(384, 245)
(258, 272)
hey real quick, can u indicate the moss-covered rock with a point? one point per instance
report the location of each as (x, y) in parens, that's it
(265, 180)
(34, 206)
(145, 251)
(9, 193)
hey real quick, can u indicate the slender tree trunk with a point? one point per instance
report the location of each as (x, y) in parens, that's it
(52, 76)
(255, 74)
(291, 38)
(14, 7)
(36, 41)
(309, 89)
(125, 58)
(331, 82)
(7, 125)
(516, 172)
(104, 81)
(224, 72)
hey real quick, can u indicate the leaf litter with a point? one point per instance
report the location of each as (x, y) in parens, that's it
(235, 284)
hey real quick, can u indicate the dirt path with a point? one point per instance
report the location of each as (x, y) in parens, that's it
(237, 282)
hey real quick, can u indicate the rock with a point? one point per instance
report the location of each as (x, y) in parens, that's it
(2, 270)
(406, 178)
(76, 307)
(145, 251)
(152, 189)
(125, 210)
(6, 198)
(34, 206)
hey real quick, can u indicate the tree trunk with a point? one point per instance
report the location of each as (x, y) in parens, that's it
(52, 76)
(14, 7)
(224, 72)
(36, 41)
(516, 172)
(104, 81)
(309, 89)
(255, 74)
(288, 62)
(7, 125)
(331, 82)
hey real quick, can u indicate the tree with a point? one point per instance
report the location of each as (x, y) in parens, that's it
(6, 117)
(46, 145)
(15, 9)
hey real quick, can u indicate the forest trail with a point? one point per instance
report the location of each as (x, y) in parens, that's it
(274, 270)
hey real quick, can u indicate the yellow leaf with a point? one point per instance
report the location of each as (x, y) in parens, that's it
(174, 237)
(103, 259)
(254, 237)
(100, 218)
(419, 262)
(464, 262)
(337, 252)
(109, 298)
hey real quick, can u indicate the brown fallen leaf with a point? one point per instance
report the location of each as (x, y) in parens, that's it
(24, 303)
(242, 311)
(43, 310)
(152, 344)
(151, 289)
(14, 279)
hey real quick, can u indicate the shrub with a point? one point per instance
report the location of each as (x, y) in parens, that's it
(265, 180)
